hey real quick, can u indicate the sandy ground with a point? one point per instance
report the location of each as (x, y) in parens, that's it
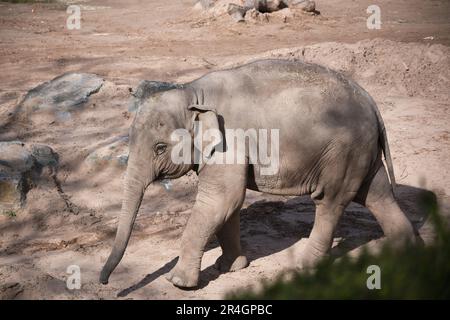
(408, 76)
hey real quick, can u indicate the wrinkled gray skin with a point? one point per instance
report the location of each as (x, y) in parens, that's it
(332, 139)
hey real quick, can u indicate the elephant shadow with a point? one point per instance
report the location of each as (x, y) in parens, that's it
(268, 227)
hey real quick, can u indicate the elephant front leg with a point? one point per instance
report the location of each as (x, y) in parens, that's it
(193, 242)
(221, 192)
(229, 238)
(204, 222)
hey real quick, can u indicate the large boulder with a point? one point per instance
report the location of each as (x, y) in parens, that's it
(15, 170)
(115, 154)
(20, 164)
(61, 95)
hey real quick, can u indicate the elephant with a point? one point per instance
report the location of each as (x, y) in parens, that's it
(331, 145)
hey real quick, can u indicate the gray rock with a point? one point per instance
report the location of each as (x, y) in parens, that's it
(44, 155)
(63, 93)
(19, 166)
(12, 192)
(306, 5)
(15, 167)
(114, 154)
(206, 4)
(14, 157)
(236, 12)
(10, 290)
(259, 10)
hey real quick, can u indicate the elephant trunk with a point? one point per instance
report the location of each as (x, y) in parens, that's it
(135, 185)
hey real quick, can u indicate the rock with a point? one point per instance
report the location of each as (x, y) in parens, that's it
(220, 7)
(254, 15)
(44, 155)
(15, 157)
(62, 95)
(12, 192)
(259, 10)
(198, 6)
(304, 5)
(236, 12)
(114, 153)
(251, 15)
(283, 15)
(16, 163)
(20, 165)
(206, 4)
(10, 290)
(265, 6)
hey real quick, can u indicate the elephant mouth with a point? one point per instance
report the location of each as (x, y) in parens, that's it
(168, 176)
(164, 176)
(174, 173)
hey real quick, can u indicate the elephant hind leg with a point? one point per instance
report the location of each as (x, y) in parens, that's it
(377, 195)
(337, 187)
(230, 241)
(320, 240)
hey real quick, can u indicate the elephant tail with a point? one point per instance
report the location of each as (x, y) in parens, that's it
(382, 133)
(385, 146)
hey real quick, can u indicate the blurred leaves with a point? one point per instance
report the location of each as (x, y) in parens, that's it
(10, 213)
(414, 272)
(29, 1)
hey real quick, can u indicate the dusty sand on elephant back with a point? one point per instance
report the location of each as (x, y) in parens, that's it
(124, 43)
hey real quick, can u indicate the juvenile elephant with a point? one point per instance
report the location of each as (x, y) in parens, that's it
(331, 141)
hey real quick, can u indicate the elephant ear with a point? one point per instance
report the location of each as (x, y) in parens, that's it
(207, 134)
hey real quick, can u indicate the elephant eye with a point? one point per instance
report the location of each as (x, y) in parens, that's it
(160, 148)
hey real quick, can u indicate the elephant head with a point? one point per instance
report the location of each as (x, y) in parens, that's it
(160, 112)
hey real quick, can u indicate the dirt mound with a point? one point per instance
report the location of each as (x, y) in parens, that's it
(409, 69)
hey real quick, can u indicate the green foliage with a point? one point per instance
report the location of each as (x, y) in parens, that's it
(29, 1)
(415, 272)
(10, 213)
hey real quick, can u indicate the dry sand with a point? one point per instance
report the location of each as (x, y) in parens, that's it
(408, 77)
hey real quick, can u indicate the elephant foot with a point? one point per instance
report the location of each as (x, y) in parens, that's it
(182, 278)
(227, 264)
(307, 263)
(309, 260)
(314, 252)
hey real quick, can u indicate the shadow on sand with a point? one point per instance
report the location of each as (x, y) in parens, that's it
(268, 227)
